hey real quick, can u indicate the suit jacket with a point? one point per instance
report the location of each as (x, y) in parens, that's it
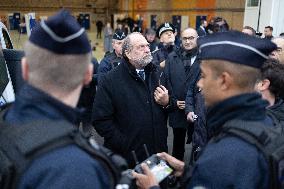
(201, 32)
(177, 83)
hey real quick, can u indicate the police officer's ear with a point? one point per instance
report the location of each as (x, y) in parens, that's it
(225, 81)
(25, 69)
(88, 74)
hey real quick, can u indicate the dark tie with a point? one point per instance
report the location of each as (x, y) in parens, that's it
(141, 74)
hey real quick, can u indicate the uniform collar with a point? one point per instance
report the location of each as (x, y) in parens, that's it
(248, 106)
(36, 101)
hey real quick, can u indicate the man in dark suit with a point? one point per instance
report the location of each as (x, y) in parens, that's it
(201, 30)
(179, 69)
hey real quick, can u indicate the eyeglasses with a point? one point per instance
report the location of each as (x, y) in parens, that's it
(188, 38)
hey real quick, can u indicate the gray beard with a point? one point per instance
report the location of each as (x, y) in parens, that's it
(144, 61)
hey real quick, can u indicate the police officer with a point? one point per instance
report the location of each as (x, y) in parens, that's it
(56, 66)
(112, 59)
(231, 63)
(167, 44)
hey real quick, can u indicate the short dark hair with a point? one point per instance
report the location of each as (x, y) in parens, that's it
(202, 21)
(251, 29)
(220, 25)
(273, 71)
(269, 27)
(281, 34)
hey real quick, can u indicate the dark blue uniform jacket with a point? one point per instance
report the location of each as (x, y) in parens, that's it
(162, 53)
(109, 61)
(231, 162)
(66, 167)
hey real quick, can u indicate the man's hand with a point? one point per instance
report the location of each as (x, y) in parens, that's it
(191, 117)
(146, 180)
(162, 64)
(181, 104)
(174, 163)
(161, 95)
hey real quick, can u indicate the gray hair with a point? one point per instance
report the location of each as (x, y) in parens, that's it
(127, 46)
(49, 71)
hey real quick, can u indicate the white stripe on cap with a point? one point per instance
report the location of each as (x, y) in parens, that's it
(119, 37)
(165, 29)
(56, 37)
(234, 44)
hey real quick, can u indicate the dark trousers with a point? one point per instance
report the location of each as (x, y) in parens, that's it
(99, 34)
(179, 143)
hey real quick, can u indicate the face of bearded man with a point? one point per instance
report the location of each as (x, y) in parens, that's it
(139, 55)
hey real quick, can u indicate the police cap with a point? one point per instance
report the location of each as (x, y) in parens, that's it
(61, 34)
(235, 47)
(165, 27)
(118, 35)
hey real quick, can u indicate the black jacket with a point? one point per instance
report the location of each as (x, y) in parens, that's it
(126, 114)
(177, 82)
(162, 53)
(276, 112)
(88, 94)
(194, 102)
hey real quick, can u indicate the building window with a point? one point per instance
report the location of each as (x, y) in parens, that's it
(252, 3)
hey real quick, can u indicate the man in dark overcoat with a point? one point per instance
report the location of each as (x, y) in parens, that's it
(129, 105)
(179, 69)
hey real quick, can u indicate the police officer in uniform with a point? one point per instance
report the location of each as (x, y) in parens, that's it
(56, 66)
(167, 44)
(231, 63)
(112, 59)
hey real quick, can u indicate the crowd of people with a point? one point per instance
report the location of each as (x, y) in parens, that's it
(215, 82)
